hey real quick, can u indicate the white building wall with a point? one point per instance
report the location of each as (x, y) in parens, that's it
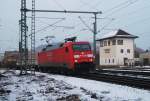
(107, 58)
(115, 57)
(127, 44)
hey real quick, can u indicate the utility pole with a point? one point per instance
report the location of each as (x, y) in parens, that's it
(94, 34)
(32, 58)
(19, 61)
(23, 40)
(94, 31)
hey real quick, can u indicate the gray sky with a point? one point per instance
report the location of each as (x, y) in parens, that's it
(130, 15)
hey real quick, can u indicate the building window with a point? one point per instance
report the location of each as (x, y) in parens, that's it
(105, 60)
(113, 42)
(120, 42)
(109, 60)
(113, 60)
(128, 50)
(121, 50)
(108, 43)
(107, 50)
(105, 43)
(101, 44)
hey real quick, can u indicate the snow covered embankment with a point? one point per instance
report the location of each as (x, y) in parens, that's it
(46, 87)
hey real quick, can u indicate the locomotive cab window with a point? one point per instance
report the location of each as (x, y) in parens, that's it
(81, 47)
(66, 49)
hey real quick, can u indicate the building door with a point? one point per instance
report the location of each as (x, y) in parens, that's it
(145, 61)
(125, 61)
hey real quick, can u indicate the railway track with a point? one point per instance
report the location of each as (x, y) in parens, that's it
(142, 83)
(125, 72)
(133, 81)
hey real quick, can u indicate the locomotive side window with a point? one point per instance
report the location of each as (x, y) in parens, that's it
(44, 49)
(66, 49)
(81, 47)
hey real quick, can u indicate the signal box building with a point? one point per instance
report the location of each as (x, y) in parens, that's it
(116, 49)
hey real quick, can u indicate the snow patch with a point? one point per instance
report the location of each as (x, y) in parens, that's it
(110, 34)
(48, 87)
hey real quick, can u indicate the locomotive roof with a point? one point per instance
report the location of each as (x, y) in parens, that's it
(58, 45)
(80, 42)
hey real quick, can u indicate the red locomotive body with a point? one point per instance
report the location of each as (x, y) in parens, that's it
(74, 56)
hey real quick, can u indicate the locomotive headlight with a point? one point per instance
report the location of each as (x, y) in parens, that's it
(91, 60)
(76, 56)
(76, 61)
(90, 55)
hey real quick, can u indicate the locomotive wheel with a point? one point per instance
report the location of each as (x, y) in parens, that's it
(62, 71)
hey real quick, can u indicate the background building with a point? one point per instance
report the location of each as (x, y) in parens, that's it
(145, 58)
(10, 58)
(117, 49)
(1, 58)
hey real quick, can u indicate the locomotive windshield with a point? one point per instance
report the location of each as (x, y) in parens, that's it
(81, 47)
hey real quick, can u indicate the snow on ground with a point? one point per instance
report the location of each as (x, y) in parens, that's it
(48, 87)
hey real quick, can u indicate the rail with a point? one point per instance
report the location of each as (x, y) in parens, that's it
(142, 83)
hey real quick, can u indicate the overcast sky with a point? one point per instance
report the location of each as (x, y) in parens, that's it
(130, 15)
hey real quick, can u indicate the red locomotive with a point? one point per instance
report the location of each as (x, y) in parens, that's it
(69, 56)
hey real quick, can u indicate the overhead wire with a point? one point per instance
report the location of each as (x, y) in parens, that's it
(139, 21)
(116, 6)
(84, 3)
(53, 24)
(55, 27)
(85, 24)
(68, 27)
(8, 40)
(97, 4)
(46, 18)
(105, 25)
(49, 25)
(88, 5)
(133, 12)
(146, 32)
(119, 9)
(58, 4)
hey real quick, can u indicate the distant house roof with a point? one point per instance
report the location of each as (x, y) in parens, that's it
(10, 53)
(117, 34)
